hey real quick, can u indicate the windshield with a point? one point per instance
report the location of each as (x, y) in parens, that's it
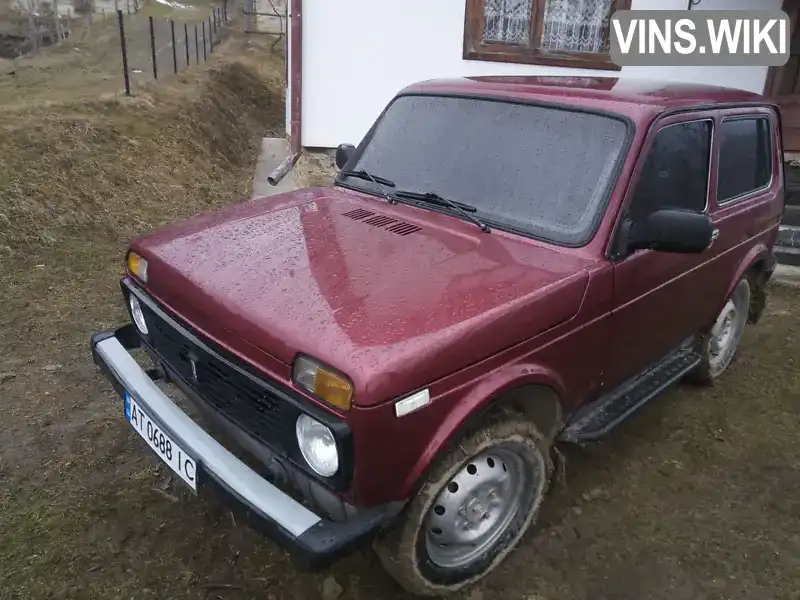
(540, 170)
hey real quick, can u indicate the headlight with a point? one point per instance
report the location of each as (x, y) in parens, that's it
(137, 266)
(138, 315)
(317, 446)
(323, 382)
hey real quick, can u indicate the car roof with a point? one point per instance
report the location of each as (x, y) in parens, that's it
(628, 95)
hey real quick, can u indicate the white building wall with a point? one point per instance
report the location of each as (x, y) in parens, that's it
(358, 53)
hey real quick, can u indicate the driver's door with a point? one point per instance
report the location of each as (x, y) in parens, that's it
(659, 296)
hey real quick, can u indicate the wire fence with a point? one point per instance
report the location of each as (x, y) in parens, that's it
(158, 48)
(26, 26)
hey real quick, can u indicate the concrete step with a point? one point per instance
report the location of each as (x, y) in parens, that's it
(788, 236)
(791, 215)
(787, 256)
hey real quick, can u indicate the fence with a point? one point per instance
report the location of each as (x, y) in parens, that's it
(34, 24)
(161, 47)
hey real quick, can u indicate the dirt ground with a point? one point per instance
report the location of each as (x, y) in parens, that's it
(696, 498)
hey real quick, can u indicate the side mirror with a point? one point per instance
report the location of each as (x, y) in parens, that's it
(343, 154)
(672, 230)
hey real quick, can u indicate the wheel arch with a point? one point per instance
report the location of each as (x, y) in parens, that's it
(755, 265)
(533, 391)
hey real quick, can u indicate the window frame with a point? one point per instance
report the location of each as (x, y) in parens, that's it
(644, 158)
(745, 195)
(476, 49)
(602, 208)
(667, 119)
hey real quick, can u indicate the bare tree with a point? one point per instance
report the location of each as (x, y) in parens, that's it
(59, 30)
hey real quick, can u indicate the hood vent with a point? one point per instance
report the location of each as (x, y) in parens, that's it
(382, 221)
(403, 228)
(358, 214)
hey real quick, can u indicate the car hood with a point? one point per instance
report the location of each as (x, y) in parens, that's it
(394, 296)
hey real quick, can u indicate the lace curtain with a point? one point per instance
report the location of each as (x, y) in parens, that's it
(507, 21)
(576, 25)
(568, 25)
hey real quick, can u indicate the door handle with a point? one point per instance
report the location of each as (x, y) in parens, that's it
(714, 236)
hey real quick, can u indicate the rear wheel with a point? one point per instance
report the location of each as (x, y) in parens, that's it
(718, 347)
(476, 505)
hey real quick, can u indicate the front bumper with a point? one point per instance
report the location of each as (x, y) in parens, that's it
(314, 539)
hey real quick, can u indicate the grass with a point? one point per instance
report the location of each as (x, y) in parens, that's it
(84, 66)
(88, 65)
(122, 165)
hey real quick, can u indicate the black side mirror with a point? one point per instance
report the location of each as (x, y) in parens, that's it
(343, 153)
(672, 230)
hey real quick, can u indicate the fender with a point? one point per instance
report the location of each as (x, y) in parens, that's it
(470, 408)
(758, 252)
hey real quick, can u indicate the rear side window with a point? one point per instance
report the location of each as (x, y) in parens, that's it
(745, 157)
(675, 172)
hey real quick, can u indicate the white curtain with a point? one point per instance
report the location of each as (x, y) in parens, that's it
(507, 21)
(576, 25)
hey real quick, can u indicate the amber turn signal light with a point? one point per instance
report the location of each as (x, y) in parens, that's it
(137, 266)
(323, 382)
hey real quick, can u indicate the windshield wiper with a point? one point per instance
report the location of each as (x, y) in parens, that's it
(434, 198)
(378, 181)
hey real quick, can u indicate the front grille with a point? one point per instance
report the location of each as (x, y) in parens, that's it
(248, 403)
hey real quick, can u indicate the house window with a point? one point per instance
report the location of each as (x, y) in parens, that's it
(568, 33)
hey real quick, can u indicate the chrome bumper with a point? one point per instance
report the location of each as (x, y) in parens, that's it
(287, 520)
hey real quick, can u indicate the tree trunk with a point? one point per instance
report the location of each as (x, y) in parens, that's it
(33, 32)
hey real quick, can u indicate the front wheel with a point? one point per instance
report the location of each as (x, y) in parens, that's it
(718, 347)
(476, 505)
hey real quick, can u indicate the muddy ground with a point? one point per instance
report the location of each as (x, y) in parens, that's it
(698, 497)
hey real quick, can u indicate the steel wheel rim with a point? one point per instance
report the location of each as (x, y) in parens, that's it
(476, 507)
(727, 330)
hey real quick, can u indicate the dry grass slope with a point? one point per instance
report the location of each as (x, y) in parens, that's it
(124, 165)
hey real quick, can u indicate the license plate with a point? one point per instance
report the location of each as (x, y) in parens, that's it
(163, 445)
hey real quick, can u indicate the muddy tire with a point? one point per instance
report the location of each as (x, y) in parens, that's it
(718, 346)
(474, 508)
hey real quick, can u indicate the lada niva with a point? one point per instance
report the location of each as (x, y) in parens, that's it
(503, 263)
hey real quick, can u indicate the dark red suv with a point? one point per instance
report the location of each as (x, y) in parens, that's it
(503, 263)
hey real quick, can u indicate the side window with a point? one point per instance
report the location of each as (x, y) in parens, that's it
(675, 172)
(745, 157)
